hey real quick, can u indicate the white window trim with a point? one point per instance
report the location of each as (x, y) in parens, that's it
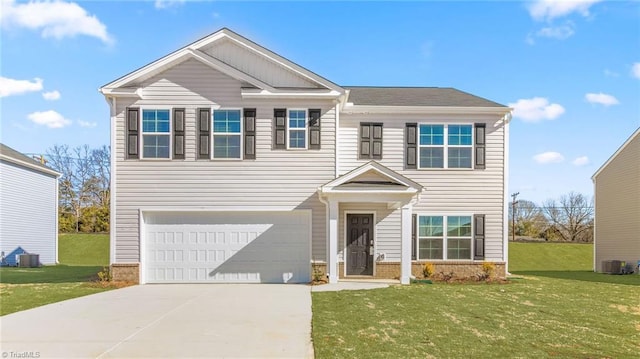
(446, 146)
(241, 134)
(142, 133)
(445, 236)
(306, 129)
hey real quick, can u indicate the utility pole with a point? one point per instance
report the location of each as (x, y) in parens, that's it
(513, 215)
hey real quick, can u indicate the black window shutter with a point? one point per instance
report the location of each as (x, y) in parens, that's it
(131, 126)
(178, 133)
(414, 237)
(480, 145)
(279, 128)
(250, 133)
(314, 129)
(376, 141)
(370, 141)
(411, 146)
(204, 133)
(478, 237)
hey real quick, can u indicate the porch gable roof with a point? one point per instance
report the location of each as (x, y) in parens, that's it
(371, 177)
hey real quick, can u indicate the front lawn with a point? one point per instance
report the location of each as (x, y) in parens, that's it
(82, 257)
(554, 307)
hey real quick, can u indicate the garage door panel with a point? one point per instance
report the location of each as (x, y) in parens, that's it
(241, 247)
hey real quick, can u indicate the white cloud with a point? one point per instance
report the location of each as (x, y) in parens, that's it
(536, 109)
(557, 32)
(51, 95)
(57, 19)
(601, 98)
(609, 73)
(581, 161)
(541, 10)
(165, 4)
(548, 157)
(635, 70)
(10, 87)
(50, 118)
(87, 124)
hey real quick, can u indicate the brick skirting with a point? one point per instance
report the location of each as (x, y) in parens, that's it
(391, 270)
(125, 272)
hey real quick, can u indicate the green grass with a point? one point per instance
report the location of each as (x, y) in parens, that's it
(82, 257)
(561, 310)
(84, 249)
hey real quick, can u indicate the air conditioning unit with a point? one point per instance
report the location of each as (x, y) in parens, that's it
(29, 260)
(612, 267)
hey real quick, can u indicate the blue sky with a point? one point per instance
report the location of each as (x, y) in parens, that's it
(571, 70)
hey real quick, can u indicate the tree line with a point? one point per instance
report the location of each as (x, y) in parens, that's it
(83, 188)
(568, 218)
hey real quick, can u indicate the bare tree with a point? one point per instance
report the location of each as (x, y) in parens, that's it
(571, 216)
(84, 182)
(530, 220)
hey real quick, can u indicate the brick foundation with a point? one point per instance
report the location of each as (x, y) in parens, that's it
(125, 272)
(391, 270)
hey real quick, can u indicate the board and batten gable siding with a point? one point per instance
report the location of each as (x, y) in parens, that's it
(277, 179)
(28, 201)
(617, 207)
(445, 191)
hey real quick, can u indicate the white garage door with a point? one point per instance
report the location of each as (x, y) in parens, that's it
(242, 247)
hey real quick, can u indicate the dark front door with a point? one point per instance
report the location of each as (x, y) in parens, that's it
(359, 244)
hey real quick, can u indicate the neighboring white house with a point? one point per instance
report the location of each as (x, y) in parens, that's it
(28, 206)
(231, 163)
(617, 206)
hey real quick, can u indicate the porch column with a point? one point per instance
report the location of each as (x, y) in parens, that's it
(332, 265)
(405, 248)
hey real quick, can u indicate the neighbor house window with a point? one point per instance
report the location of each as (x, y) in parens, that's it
(297, 129)
(436, 243)
(156, 133)
(445, 146)
(227, 134)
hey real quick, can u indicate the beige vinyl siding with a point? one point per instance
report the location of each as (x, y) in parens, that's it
(256, 65)
(29, 211)
(190, 184)
(617, 207)
(447, 192)
(387, 229)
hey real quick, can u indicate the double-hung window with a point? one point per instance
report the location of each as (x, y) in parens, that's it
(156, 133)
(434, 242)
(227, 134)
(445, 146)
(297, 129)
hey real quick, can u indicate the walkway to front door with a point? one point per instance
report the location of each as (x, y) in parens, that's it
(359, 244)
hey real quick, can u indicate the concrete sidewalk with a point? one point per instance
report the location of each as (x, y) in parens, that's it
(163, 321)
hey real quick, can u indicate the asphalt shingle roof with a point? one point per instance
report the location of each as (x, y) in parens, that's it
(415, 96)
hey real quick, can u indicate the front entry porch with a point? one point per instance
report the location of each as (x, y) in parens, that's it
(359, 204)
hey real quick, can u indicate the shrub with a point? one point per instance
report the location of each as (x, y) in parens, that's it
(428, 269)
(488, 268)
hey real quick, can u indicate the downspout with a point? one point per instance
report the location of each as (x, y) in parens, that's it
(326, 224)
(505, 195)
(112, 182)
(337, 142)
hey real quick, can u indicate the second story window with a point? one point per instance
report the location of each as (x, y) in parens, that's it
(227, 134)
(297, 129)
(443, 146)
(156, 134)
(370, 141)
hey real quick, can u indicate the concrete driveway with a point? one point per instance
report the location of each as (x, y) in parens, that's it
(156, 321)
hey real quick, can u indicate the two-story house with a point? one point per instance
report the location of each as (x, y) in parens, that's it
(231, 163)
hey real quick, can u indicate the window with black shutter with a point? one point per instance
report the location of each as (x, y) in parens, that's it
(280, 129)
(132, 131)
(178, 133)
(314, 129)
(478, 236)
(411, 142)
(480, 145)
(204, 133)
(250, 133)
(370, 141)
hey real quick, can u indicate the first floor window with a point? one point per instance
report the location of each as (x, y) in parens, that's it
(156, 134)
(434, 241)
(297, 128)
(227, 134)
